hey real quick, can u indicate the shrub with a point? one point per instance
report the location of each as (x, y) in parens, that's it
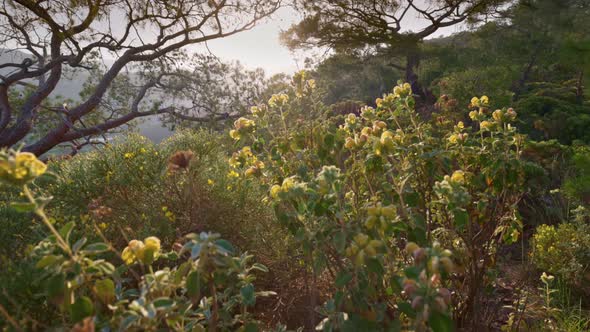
(352, 195)
(564, 250)
(203, 284)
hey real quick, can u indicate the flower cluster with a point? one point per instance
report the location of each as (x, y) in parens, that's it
(242, 126)
(380, 216)
(288, 184)
(246, 159)
(19, 168)
(145, 252)
(361, 248)
(278, 100)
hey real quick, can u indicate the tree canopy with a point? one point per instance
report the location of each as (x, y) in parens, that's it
(74, 35)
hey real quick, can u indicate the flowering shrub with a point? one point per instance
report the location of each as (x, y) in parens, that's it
(202, 285)
(563, 250)
(352, 190)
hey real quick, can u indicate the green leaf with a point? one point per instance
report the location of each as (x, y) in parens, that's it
(248, 295)
(343, 279)
(225, 246)
(55, 286)
(79, 244)
(461, 218)
(105, 290)
(163, 303)
(47, 261)
(441, 323)
(259, 267)
(66, 230)
(375, 266)
(23, 207)
(251, 327)
(81, 309)
(193, 285)
(96, 248)
(406, 308)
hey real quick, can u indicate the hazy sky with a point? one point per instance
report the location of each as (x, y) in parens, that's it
(260, 47)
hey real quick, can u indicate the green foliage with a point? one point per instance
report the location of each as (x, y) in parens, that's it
(352, 194)
(577, 185)
(209, 287)
(563, 250)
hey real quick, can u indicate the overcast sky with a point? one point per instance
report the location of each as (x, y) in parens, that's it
(260, 47)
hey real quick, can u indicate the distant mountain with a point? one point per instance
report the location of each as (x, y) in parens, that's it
(70, 86)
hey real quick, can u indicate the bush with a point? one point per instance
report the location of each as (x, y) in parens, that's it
(352, 195)
(564, 250)
(202, 284)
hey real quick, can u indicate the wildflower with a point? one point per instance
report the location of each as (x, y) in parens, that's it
(275, 190)
(278, 100)
(255, 110)
(102, 226)
(145, 252)
(387, 139)
(349, 143)
(458, 177)
(242, 126)
(210, 182)
(351, 119)
(460, 125)
(402, 90)
(484, 101)
(453, 139)
(486, 125)
(510, 114)
(233, 174)
(547, 278)
(19, 168)
(128, 155)
(368, 113)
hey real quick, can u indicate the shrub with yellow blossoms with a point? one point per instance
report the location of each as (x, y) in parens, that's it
(397, 180)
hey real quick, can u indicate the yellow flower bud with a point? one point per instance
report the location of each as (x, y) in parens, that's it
(458, 177)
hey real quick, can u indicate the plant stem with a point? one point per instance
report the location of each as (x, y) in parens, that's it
(39, 212)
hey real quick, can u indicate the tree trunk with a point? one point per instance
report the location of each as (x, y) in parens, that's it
(425, 97)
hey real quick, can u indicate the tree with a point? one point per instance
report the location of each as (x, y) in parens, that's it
(140, 35)
(382, 25)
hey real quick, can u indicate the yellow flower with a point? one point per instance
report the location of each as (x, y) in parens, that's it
(233, 174)
(497, 115)
(234, 134)
(275, 190)
(453, 139)
(19, 168)
(210, 182)
(486, 125)
(474, 101)
(128, 155)
(278, 100)
(152, 243)
(102, 226)
(458, 177)
(485, 101)
(145, 252)
(460, 125)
